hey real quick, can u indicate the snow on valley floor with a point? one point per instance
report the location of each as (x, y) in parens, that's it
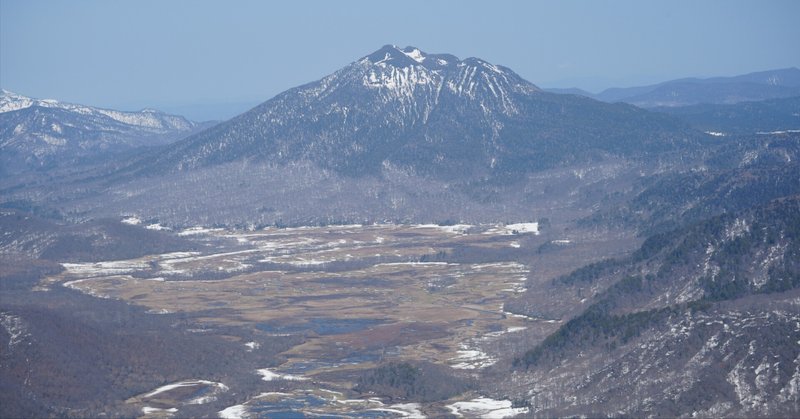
(484, 407)
(268, 257)
(318, 402)
(175, 395)
(471, 357)
(158, 411)
(395, 287)
(268, 375)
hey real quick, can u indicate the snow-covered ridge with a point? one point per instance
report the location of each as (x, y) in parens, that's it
(40, 132)
(10, 101)
(148, 118)
(415, 55)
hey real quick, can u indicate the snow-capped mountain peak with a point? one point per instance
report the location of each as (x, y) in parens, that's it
(394, 56)
(10, 101)
(400, 72)
(146, 118)
(38, 132)
(414, 53)
(391, 55)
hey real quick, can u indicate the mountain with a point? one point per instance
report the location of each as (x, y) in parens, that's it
(717, 90)
(38, 133)
(699, 321)
(430, 113)
(746, 172)
(398, 134)
(770, 115)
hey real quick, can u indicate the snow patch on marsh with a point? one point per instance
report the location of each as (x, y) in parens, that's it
(95, 269)
(216, 388)
(405, 410)
(518, 228)
(485, 407)
(268, 375)
(234, 412)
(193, 231)
(147, 410)
(471, 359)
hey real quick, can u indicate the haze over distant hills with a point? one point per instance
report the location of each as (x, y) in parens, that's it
(771, 115)
(210, 111)
(716, 90)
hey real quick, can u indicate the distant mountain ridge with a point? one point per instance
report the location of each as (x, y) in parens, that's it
(428, 113)
(766, 116)
(42, 132)
(750, 87)
(146, 118)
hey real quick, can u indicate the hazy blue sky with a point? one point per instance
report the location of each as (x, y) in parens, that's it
(167, 54)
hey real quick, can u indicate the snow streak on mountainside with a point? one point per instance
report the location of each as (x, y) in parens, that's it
(425, 113)
(398, 73)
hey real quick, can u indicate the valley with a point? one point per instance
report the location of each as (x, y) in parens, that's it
(412, 235)
(353, 296)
